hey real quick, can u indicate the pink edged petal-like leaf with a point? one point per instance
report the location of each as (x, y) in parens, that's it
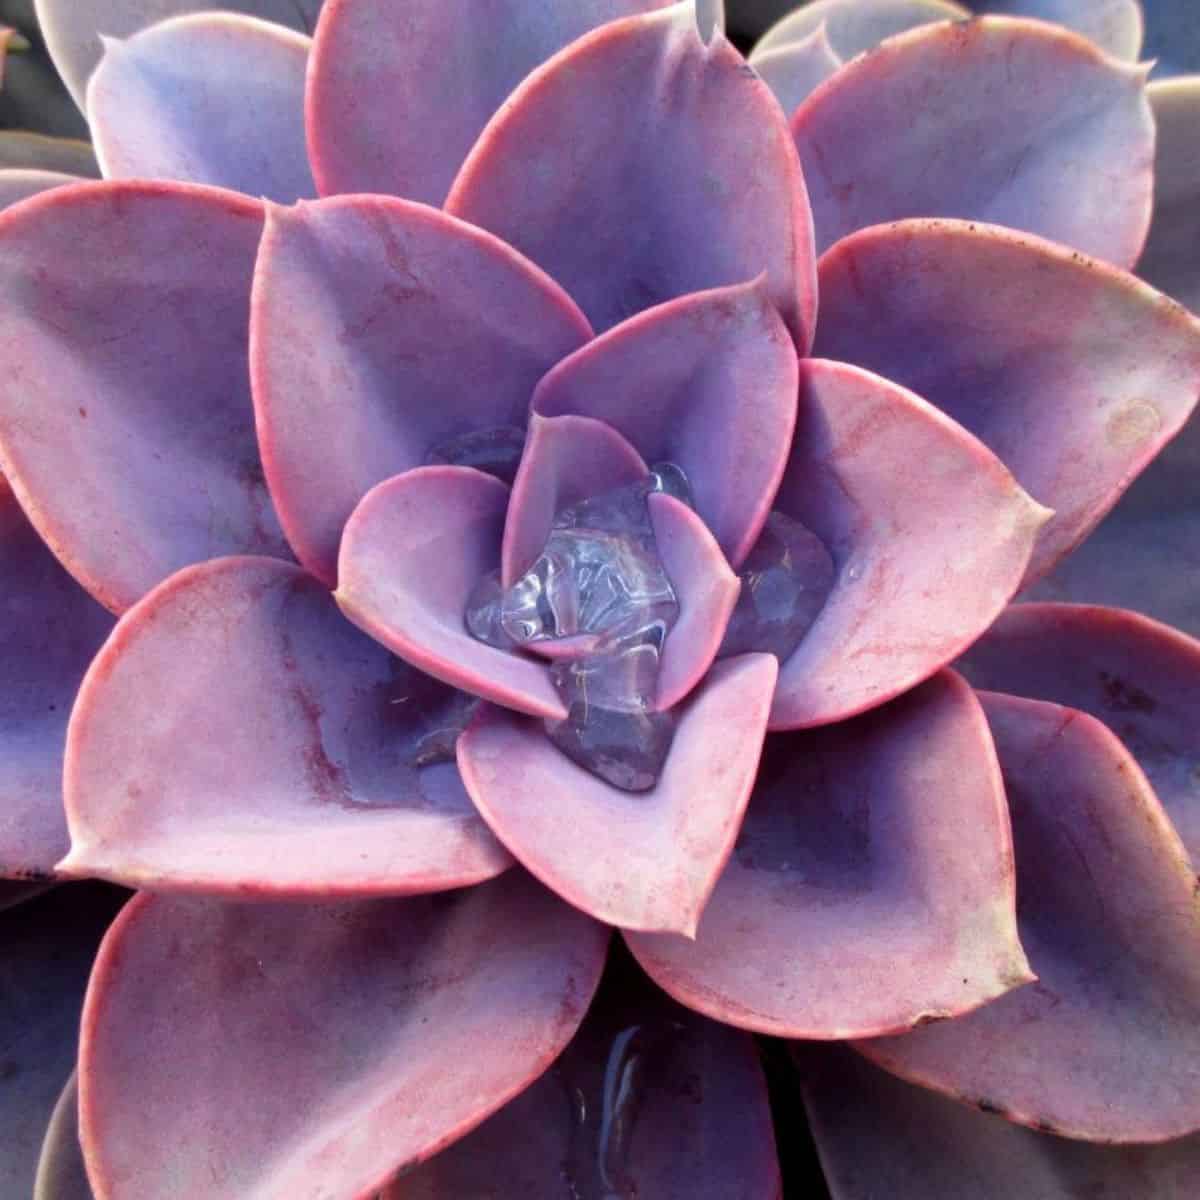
(706, 589)
(929, 533)
(651, 202)
(126, 426)
(238, 735)
(856, 25)
(61, 1174)
(49, 945)
(566, 460)
(413, 552)
(36, 152)
(1014, 122)
(879, 1136)
(379, 330)
(1106, 1045)
(293, 1052)
(49, 630)
(1076, 383)
(1171, 259)
(707, 382)
(792, 71)
(645, 861)
(73, 28)
(871, 887)
(649, 1100)
(17, 184)
(1140, 678)
(1113, 25)
(214, 98)
(446, 66)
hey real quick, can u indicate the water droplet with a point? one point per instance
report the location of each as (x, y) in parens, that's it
(496, 451)
(786, 579)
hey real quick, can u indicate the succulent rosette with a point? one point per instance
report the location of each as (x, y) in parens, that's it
(500, 614)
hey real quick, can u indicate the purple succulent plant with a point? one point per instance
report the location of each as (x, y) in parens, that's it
(407, 588)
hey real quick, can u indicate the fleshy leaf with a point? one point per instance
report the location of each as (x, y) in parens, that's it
(48, 949)
(1106, 1045)
(73, 28)
(871, 887)
(793, 70)
(379, 329)
(126, 427)
(567, 460)
(238, 735)
(929, 533)
(446, 65)
(1076, 383)
(37, 152)
(20, 183)
(856, 25)
(708, 382)
(1013, 122)
(412, 553)
(645, 861)
(1171, 260)
(49, 630)
(211, 98)
(651, 202)
(1113, 25)
(879, 1136)
(61, 1174)
(1140, 678)
(648, 1100)
(296, 1050)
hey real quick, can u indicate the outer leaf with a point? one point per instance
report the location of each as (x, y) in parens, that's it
(708, 382)
(871, 888)
(1140, 678)
(238, 735)
(413, 552)
(21, 183)
(648, 1098)
(294, 1053)
(857, 25)
(1014, 122)
(792, 71)
(649, 203)
(1076, 383)
(49, 630)
(642, 862)
(1113, 25)
(929, 533)
(36, 152)
(211, 98)
(72, 28)
(61, 1174)
(1106, 1046)
(380, 329)
(447, 65)
(879, 1136)
(125, 419)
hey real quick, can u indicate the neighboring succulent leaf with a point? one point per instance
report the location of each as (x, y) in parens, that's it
(856, 25)
(212, 98)
(49, 630)
(73, 28)
(1113, 25)
(794, 69)
(644, 861)
(648, 1098)
(446, 65)
(49, 945)
(928, 531)
(1076, 382)
(650, 202)
(412, 553)
(61, 1174)
(126, 426)
(238, 736)
(1013, 122)
(19, 184)
(1140, 678)
(871, 887)
(36, 152)
(379, 329)
(880, 1136)
(707, 381)
(1106, 1045)
(289, 1050)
